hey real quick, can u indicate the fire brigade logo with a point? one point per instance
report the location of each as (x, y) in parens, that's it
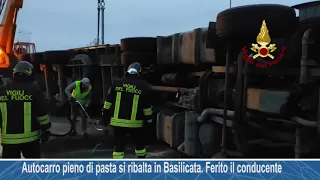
(263, 39)
(263, 49)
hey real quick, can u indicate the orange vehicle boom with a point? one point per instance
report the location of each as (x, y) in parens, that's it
(8, 30)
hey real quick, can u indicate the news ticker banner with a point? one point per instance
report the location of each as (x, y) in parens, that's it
(158, 169)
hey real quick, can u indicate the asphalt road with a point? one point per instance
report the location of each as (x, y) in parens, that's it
(99, 145)
(96, 145)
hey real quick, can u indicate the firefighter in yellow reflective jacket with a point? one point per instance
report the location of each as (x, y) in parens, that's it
(128, 106)
(79, 91)
(24, 114)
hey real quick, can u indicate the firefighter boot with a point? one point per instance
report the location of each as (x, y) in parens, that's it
(141, 153)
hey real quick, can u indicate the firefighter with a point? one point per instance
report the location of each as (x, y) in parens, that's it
(128, 107)
(79, 91)
(24, 114)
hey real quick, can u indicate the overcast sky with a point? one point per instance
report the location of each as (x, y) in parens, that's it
(62, 24)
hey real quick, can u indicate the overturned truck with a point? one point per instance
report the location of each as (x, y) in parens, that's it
(250, 78)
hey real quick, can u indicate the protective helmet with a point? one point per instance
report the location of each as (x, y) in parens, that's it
(85, 82)
(23, 67)
(134, 68)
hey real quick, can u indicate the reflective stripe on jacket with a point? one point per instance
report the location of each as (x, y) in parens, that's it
(132, 122)
(128, 103)
(24, 112)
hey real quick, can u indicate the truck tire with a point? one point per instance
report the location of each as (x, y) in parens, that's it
(139, 44)
(143, 58)
(84, 58)
(56, 57)
(245, 21)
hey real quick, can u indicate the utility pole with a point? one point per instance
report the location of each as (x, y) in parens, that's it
(230, 3)
(101, 8)
(98, 23)
(102, 21)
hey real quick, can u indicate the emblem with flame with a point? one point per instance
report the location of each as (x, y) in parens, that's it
(263, 39)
